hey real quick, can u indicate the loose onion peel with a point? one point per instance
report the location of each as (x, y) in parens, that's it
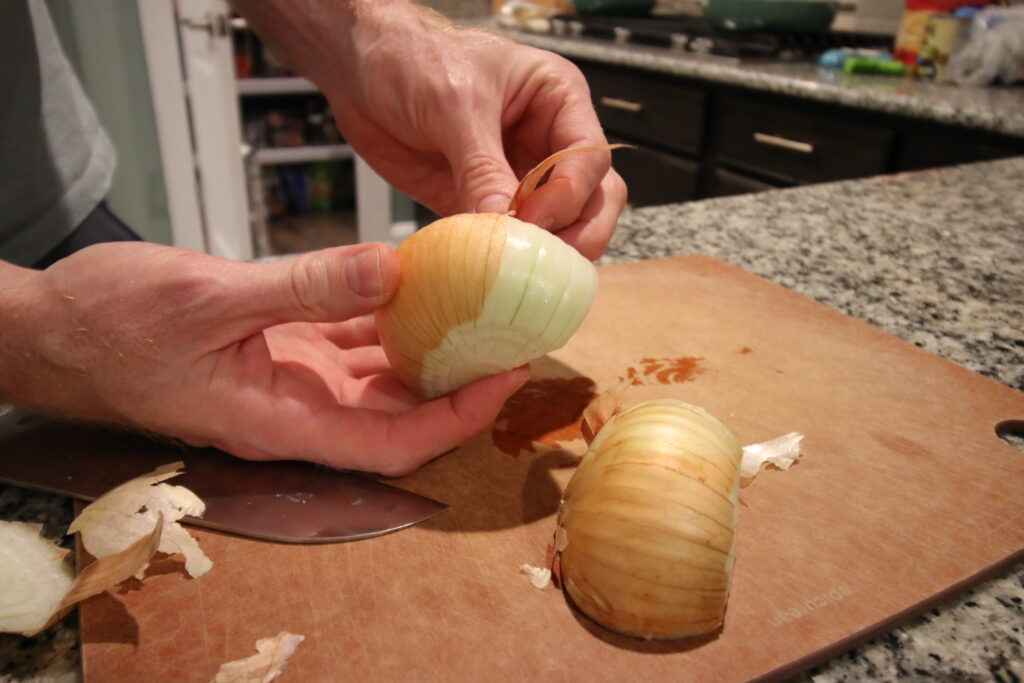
(123, 529)
(264, 666)
(126, 513)
(484, 293)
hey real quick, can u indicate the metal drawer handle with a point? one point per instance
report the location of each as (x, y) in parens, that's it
(785, 143)
(625, 105)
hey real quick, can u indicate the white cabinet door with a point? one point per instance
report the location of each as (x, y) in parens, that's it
(213, 109)
(188, 51)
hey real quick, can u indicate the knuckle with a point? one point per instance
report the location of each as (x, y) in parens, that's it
(307, 285)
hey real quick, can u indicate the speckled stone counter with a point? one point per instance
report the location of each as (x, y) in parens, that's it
(995, 109)
(935, 257)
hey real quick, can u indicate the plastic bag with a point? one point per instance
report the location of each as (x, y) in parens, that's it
(994, 50)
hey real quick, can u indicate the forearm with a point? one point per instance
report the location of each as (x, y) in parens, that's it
(19, 303)
(323, 39)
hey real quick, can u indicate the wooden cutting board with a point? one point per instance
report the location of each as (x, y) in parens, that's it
(903, 497)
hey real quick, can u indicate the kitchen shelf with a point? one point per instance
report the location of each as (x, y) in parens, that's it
(274, 156)
(287, 85)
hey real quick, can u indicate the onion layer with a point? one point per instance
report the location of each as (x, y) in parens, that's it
(646, 530)
(480, 294)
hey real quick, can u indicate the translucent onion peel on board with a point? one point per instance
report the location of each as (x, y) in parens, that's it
(646, 531)
(781, 452)
(264, 666)
(124, 514)
(484, 293)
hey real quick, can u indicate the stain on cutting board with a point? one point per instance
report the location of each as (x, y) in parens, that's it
(549, 412)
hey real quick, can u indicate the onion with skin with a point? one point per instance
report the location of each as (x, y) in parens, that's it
(483, 293)
(646, 531)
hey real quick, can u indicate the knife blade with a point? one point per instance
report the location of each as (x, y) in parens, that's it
(283, 501)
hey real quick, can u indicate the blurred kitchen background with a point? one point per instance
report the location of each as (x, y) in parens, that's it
(223, 150)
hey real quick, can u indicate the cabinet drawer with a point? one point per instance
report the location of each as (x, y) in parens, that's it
(654, 178)
(645, 107)
(798, 145)
(929, 147)
(724, 183)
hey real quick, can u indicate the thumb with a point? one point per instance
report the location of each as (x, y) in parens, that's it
(323, 286)
(484, 181)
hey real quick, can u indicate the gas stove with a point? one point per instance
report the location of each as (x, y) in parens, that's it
(693, 35)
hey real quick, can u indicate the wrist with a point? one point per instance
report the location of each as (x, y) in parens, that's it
(322, 39)
(21, 301)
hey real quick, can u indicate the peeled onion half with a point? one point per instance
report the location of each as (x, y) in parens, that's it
(646, 531)
(484, 293)
(481, 294)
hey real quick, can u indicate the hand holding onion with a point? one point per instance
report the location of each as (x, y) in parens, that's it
(265, 361)
(449, 115)
(484, 293)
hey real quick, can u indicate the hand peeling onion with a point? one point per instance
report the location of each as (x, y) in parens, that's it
(483, 293)
(646, 530)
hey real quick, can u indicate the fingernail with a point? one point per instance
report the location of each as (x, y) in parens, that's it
(363, 273)
(545, 222)
(495, 203)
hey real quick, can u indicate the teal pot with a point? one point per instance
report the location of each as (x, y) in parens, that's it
(771, 15)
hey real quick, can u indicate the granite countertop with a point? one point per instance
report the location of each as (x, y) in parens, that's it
(995, 109)
(935, 257)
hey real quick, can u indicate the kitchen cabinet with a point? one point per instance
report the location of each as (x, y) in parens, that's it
(698, 139)
(794, 145)
(219, 181)
(660, 177)
(647, 108)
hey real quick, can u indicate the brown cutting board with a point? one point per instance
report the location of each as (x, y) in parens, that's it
(903, 497)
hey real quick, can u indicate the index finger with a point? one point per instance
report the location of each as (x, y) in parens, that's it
(396, 444)
(570, 122)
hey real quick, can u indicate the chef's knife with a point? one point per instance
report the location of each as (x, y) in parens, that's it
(285, 501)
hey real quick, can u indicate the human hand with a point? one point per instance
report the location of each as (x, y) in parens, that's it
(264, 361)
(453, 116)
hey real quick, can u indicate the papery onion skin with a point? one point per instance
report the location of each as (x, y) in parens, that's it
(480, 294)
(648, 522)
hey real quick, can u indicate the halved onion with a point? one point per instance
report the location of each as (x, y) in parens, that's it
(480, 294)
(484, 293)
(33, 579)
(646, 531)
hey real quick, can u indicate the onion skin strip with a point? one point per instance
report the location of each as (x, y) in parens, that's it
(107, 572)
(531, 180)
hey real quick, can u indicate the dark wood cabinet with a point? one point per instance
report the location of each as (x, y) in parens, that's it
(699, 139)
(930, 146)
(655, 177)
(724, 183)
(646, 107)
(797, 146)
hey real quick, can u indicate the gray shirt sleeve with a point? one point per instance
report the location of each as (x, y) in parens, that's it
(56, 162)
